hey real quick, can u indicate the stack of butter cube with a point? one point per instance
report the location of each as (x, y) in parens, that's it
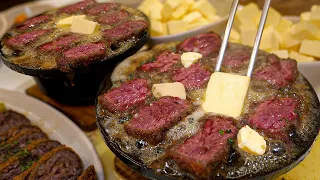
(177, 16)
(300, 41)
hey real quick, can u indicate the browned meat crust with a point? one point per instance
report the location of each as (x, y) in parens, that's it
(89, 174)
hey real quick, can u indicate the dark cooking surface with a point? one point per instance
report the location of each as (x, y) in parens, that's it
(39, 44)
(281, 106)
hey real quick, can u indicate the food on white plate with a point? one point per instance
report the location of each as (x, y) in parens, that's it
(177, 16)
(281, 36)
(25, 150)
(177, 137)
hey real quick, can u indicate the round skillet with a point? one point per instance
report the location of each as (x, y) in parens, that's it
(71, 66)
(275, 82)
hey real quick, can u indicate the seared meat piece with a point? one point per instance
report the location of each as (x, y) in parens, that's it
(60, 163)
(34, 21)
(113, 17)
(23, 39)
(24, 159)
(101, 8)
(11, 119)
(80, 6)
(209, 147)
(15, 130)
(15, 144)
(129, 95)
(163, 62)
(152, 122)
(89, 174)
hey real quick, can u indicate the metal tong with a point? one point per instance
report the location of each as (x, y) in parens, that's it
(232, 14)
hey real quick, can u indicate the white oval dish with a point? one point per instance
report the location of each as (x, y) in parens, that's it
(55, 124)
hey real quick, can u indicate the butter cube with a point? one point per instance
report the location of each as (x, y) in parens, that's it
(158, 28)
(269, 40)
(175, 89)
(300, 58)
(166, 12)
(180, 11)
(289, 42)
(69, 20)
(192, 16)
(281, 53)
(246, 16)
(198, 23)
(250, 141)
(205, 7)
(175, 27)
(305, 30)
(247, 35)
(226, 93)
(146, 5)
(155, 10)
(315, 15)
(234, 36)
(214, 18)
(284, 26)
(173, 3)
(310, 47)
(188, 58)
(273, 18)
(83, 26)
(305, 16)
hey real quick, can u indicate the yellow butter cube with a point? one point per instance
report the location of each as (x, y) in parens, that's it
(246, 16)
(166, 12)
(273, 18)
(198, 23)
(305, 16)
(289, 42)
(188, 58)
(315, 15)
(214, 18)
(205, 7)
(305, 30)
(281, 53)
(250, 141)
(180, 11)
(175, 27)
(173, 3)
(146, 5)
(226, 93)
(247, 35)
(269, 40)
(157, 28)
(155, 11)
(284, 26)
(175, 89)
(300, 58)
(192, 16)
(310, 47)
(69, 20)
(234, 36)
(83, 26)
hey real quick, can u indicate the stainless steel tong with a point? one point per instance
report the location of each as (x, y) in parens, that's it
(232, 14)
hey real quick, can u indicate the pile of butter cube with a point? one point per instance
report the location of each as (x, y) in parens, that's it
(177, 16)
(299, 41)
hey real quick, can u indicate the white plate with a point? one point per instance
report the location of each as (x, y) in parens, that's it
(55, 124)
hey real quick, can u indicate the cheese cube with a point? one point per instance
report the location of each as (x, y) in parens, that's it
(192, 16)
(180, 11)
(205, 7)
(155, 11)
(188, 58)
(198, 23)
(250, 141)
(305, 16)
(300, 58)
(273, 18)
(315, 15)
(284, 26)
(234, 36)
(83, 26)
(310, 47)
(226, 93)
(175, 89)
(247, 35)
(305, 30)
(281, 53)
(158, 28)
(69, 20)
(175, 27)
(246, 16)
(269, 40)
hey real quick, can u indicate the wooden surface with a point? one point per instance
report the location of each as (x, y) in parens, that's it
(83, 116)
